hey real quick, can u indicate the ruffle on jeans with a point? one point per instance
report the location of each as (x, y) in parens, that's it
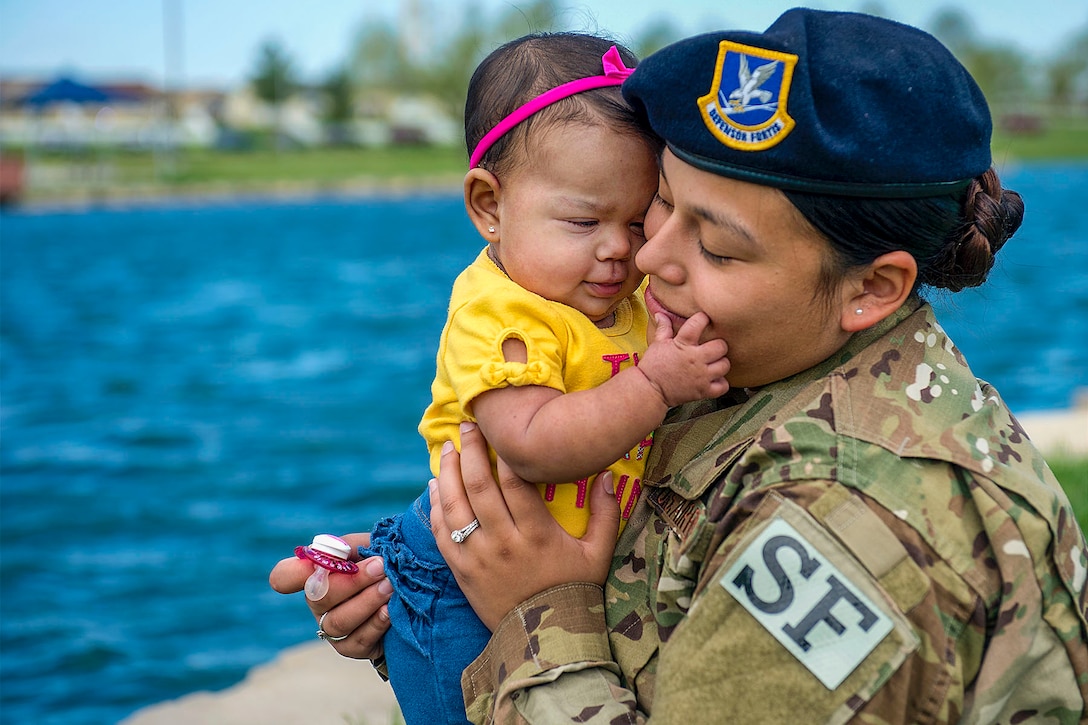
(413, 563)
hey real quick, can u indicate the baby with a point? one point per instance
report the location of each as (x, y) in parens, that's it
(545, 344)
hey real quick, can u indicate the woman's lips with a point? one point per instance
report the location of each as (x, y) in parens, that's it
(654, 307)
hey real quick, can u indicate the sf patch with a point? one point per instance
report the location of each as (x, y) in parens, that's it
(746, 106)
(806, 602)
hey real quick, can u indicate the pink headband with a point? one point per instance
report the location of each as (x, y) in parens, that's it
(615, 72)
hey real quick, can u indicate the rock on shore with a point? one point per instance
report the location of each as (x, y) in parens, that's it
(1064, 432)
(309, 684)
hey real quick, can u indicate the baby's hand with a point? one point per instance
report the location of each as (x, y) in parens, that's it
(680, 368)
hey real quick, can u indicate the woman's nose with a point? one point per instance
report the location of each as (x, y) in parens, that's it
(654, 258)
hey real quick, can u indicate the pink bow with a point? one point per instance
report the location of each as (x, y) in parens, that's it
(613, 64)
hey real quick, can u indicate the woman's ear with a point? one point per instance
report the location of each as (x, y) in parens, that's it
(483, 195)
(878, 290)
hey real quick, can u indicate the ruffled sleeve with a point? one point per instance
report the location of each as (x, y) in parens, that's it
(500, 374)
(473, 356)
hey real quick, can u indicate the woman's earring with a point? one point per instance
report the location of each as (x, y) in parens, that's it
(859, 311)
(491, 230)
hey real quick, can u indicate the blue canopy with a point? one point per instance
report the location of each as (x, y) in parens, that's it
(66, 90)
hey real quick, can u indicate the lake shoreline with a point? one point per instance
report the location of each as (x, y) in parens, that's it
(123, 198)
(309, 684)
(367, 185)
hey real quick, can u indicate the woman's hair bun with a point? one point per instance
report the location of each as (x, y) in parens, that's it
(991, 215)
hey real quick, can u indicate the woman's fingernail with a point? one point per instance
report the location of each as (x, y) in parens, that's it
(383, 614)
(606, 479)
(467, 426)
(432, 484)
(447, 447)
(375, 566)
(385, 587)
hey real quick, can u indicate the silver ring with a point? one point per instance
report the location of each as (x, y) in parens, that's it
(462, 534)
(322, 634)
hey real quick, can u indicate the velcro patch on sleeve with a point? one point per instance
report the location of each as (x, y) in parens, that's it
(807, 602)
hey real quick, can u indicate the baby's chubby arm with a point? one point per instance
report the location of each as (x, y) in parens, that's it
(547, 436)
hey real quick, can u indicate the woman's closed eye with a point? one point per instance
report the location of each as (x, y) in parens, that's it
(711, 257)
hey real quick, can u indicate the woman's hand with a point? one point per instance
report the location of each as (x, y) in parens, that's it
(355, 603)
(519, 550)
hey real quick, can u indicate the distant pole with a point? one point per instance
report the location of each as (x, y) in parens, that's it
(173, 33)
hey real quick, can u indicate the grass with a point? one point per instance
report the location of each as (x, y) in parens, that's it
(1072, 473)
(1061, 139)
(105, 172)
(317, 165)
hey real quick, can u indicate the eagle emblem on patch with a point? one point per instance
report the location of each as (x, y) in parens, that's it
(746, 106)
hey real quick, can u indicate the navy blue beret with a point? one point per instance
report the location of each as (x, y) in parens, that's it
(826, 102)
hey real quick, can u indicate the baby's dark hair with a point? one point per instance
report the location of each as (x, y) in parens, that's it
(521, 70)
(953, 238)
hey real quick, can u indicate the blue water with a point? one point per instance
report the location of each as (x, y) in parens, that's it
(189, 391)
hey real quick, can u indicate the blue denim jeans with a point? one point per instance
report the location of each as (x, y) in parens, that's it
(434, 633)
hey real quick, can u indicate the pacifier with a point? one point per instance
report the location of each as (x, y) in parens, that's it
(328, 553)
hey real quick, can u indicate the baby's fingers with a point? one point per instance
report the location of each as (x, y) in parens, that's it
(692, 329)
(719, 368)
(662, 328)
(714, 351)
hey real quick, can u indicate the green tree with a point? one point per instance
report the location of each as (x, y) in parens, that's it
(379, 60)
(874, 7)
(955, 29)
(274, 81)
(339, 104)
(381, 65)
(1067, 74)
(540, 16)
(1000, 70)
(448, 80)
(656, 35)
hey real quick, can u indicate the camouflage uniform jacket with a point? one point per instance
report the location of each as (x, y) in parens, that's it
(874, 540)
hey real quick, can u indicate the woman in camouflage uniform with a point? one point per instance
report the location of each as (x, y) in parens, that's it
(859, 531)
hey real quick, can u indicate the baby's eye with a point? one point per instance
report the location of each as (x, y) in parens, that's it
(638, 228)
(584, 223)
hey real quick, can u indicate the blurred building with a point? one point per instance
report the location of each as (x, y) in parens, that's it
(63, 114)
(66, 114)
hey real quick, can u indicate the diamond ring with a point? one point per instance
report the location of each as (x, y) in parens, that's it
(322, 634)
(461, 534)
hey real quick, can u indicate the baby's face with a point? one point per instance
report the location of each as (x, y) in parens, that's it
(571, 216)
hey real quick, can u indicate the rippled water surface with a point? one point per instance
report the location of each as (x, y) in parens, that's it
(190, 391)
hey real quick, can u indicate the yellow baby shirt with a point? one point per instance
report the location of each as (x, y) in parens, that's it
(566, 351)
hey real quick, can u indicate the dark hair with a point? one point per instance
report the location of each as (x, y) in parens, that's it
(953, 238)
(522, 69)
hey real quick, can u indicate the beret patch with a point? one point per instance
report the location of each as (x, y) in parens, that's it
(746, 108)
